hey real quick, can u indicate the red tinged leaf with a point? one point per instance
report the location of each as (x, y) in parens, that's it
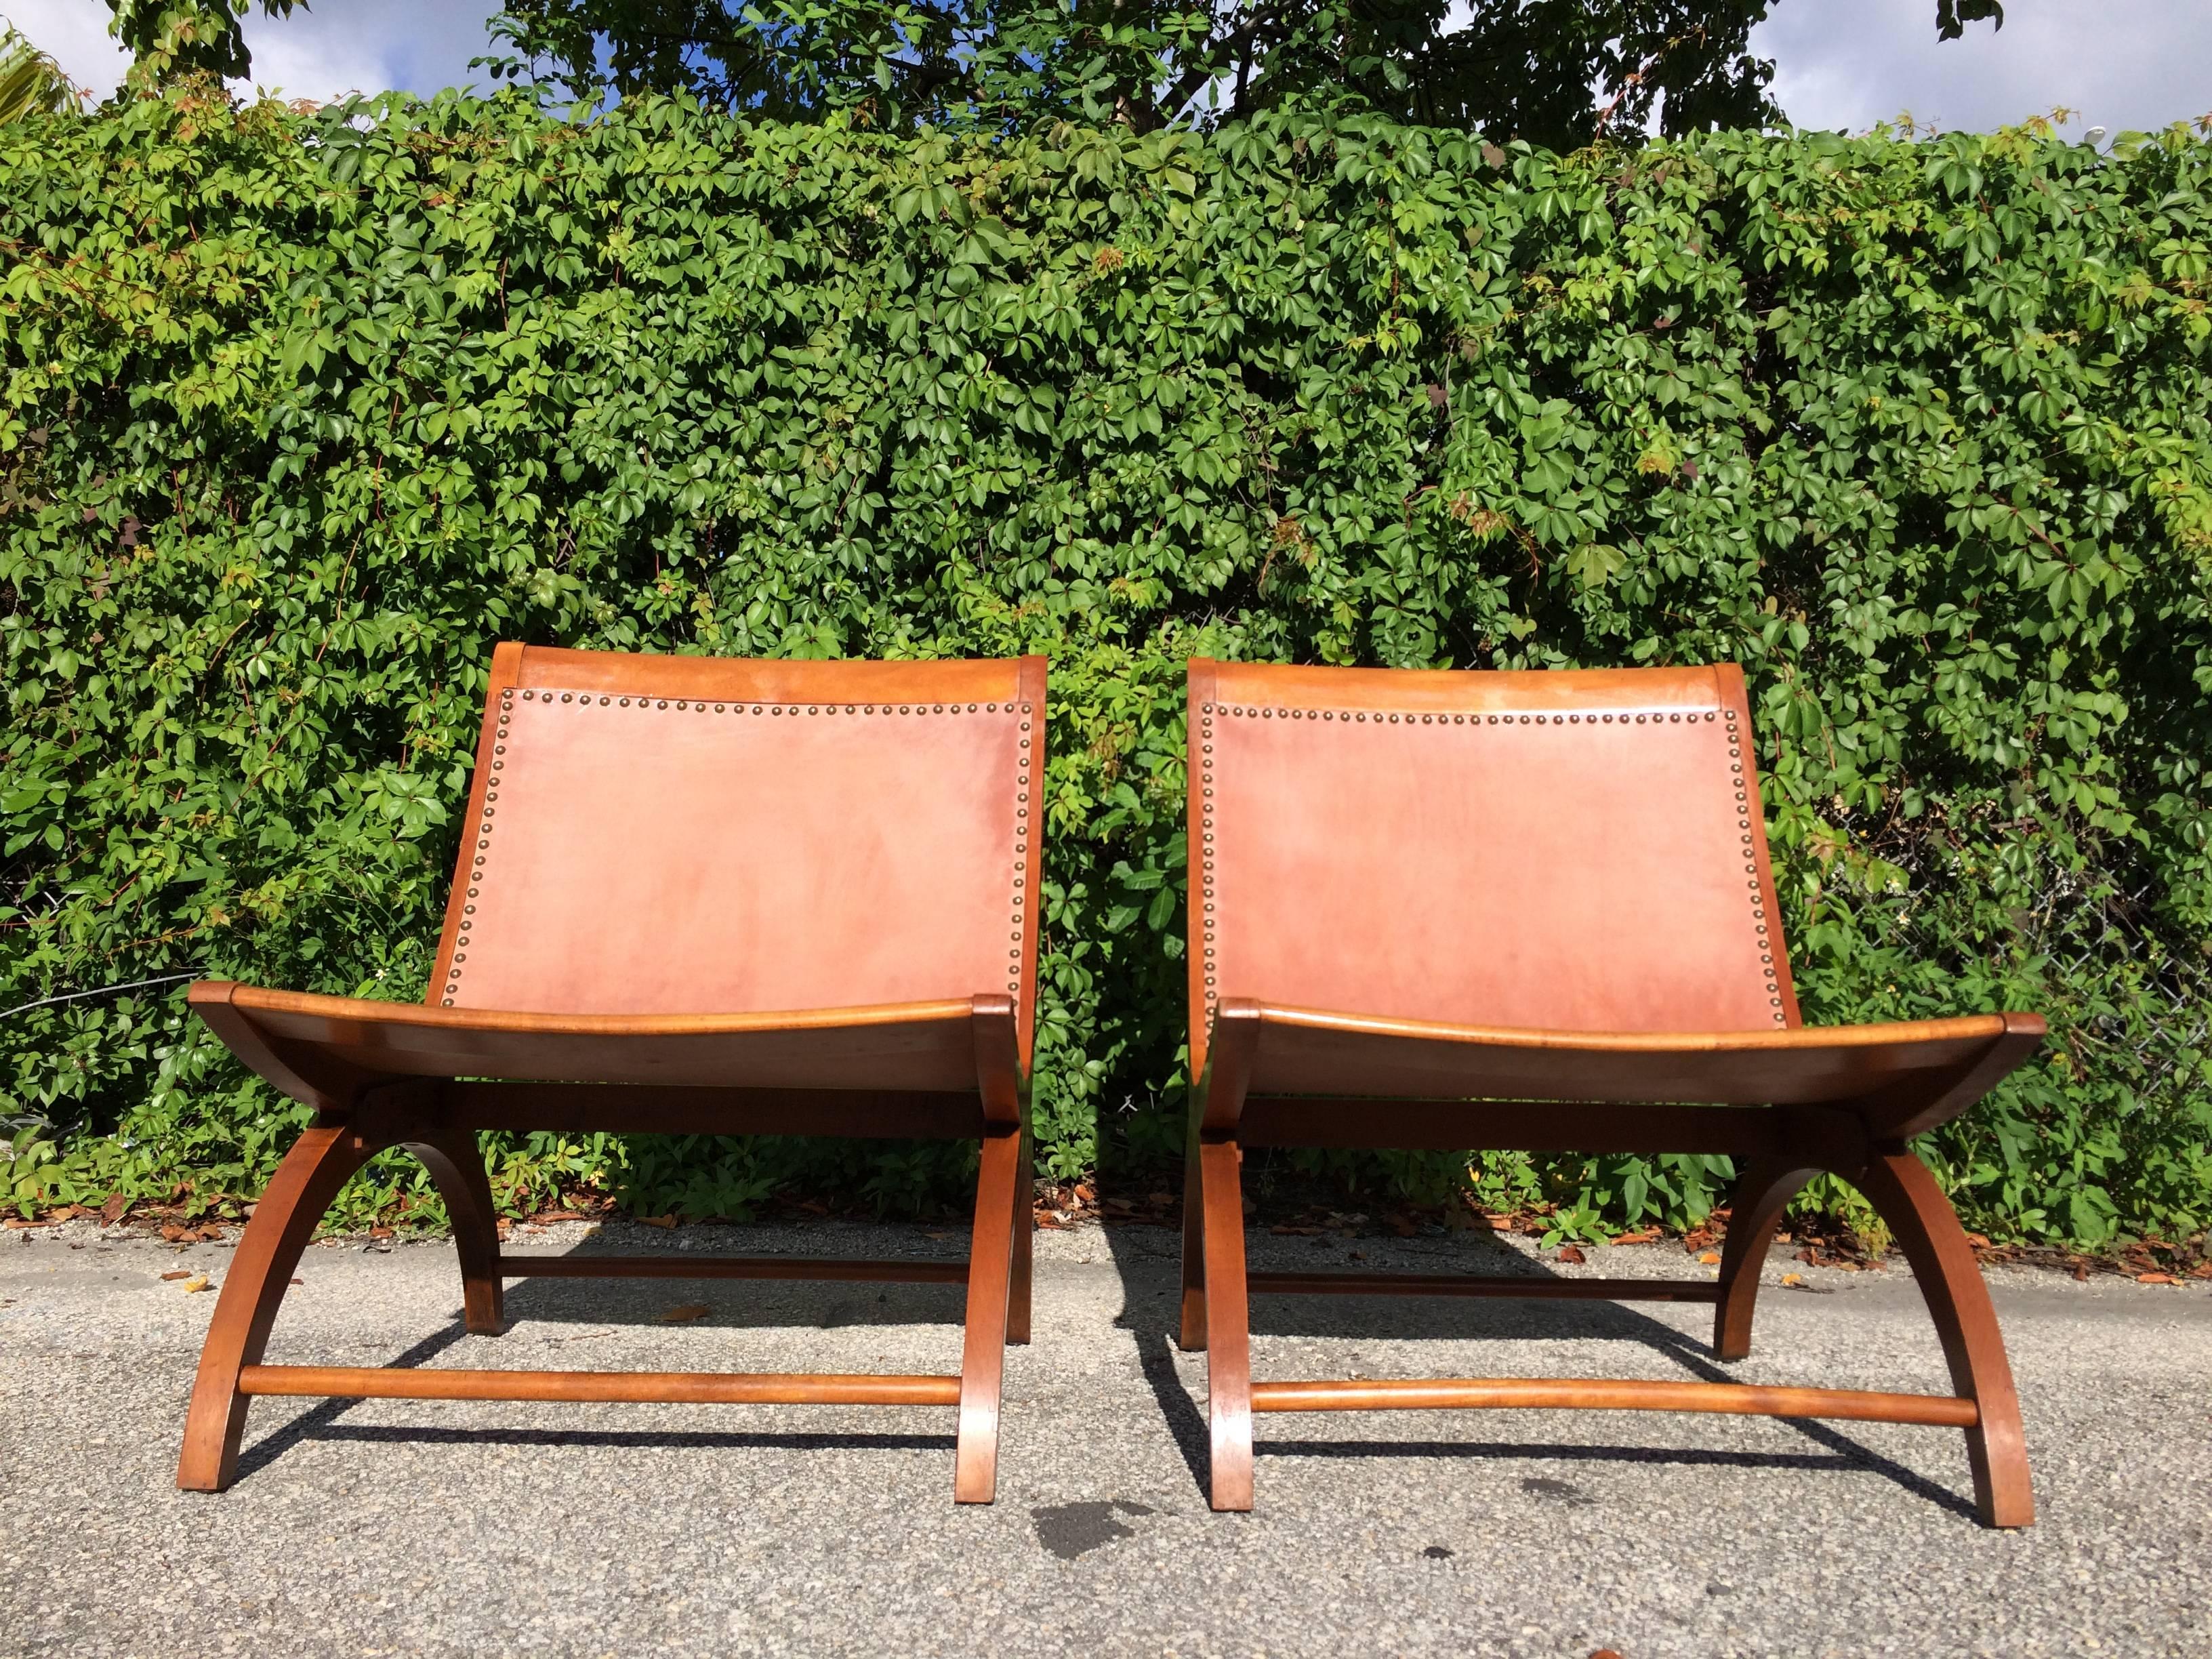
(1572, 1253)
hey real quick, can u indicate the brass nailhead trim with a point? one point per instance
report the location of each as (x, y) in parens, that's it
(1206, 856)
(507, 701)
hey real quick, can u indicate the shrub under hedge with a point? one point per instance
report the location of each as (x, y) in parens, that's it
(304, 410)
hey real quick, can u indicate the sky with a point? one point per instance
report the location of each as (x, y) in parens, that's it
(1841, 64)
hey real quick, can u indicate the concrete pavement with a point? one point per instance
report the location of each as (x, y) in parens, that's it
(436, 1528)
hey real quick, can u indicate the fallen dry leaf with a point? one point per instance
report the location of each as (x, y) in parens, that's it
(182, 1273)
(1641, 1236)
(658, 1220)
(686, 1313)
(1710, 1258)
(1793, 1278)
(1572, 1253)
(199, 1283)
(172, 1232)
(380, 1232)
(2081, 1273)
(2156, 1279)
(1604, 1653)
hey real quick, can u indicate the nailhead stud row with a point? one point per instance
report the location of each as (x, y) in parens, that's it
(696, 706)
(1206, 713)
(1353, 717)
(1360, 717)
(1749, 844)
(1022, 821)
(507, 698)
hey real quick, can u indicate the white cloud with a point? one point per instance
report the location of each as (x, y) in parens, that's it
(370, 45)
(339, 46)
(1845, 64)
(2122, 64)
(74, 34)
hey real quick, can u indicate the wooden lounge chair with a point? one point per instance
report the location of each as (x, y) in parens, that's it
(1535, 911)
(694, 897)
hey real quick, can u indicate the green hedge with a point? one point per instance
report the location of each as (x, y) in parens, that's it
(304, 410)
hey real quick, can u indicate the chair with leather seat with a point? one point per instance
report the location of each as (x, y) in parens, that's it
(694, 895)
(1535, 911)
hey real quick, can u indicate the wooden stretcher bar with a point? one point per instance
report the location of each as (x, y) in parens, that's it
(638, 1387)
(1591, 1393)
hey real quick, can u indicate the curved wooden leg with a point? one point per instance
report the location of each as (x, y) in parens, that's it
(1763, 1192)
(1228, 1326)
(983, 1349)
(1905, 1195)
(456, 1164)
(1191, 1336)
(1017, 1296)
(319, 1163)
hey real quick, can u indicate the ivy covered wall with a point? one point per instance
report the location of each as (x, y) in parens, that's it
(303, 412)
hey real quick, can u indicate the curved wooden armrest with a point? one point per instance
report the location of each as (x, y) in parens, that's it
(324, 1049)
(1905, 1077)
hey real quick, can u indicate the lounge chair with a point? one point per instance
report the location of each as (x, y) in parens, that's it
(1535, 911)
(694, 897)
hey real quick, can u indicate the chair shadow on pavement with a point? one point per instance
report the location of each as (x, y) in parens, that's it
(1147, 1261)
(748, 1304)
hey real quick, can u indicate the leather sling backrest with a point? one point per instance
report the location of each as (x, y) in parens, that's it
(682, 834)
(1571, 851)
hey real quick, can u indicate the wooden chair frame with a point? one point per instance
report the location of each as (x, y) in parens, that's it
(1786, 1103)
(429, 1079)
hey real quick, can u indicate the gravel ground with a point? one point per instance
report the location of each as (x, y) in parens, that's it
(440, 1527)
